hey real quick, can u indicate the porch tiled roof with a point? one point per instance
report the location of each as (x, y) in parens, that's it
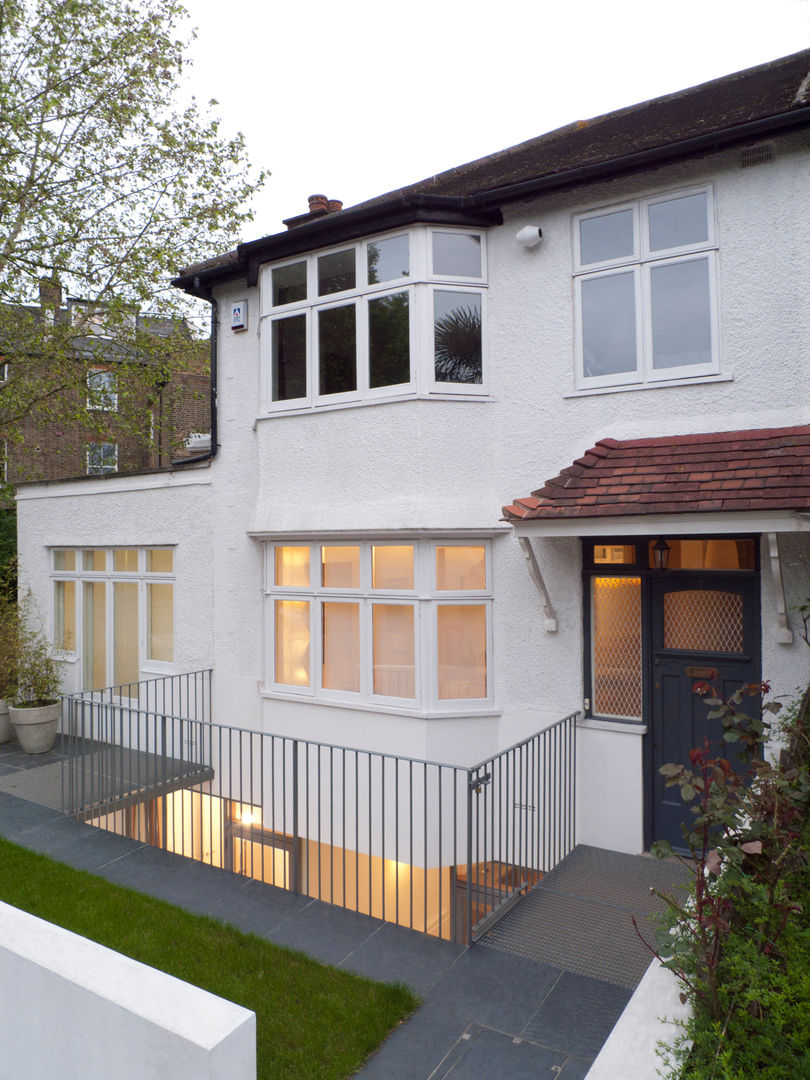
(766, 469)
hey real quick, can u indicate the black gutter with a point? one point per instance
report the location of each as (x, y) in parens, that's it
(584, 174)
(211, 453)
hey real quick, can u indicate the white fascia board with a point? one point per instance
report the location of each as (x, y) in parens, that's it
(48, 489)
(732, 522)
(378, 534)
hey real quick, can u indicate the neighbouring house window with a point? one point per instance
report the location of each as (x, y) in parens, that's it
(389, 317)
(403, 623)
(102, 458)
(102, 389)
(645, 289)
(114, 607)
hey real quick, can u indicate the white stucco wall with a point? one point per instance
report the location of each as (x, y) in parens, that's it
(443, 465)
(165, 509)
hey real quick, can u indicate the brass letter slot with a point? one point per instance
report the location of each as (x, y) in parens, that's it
(701, 672)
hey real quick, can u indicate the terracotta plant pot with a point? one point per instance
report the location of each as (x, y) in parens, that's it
(5, 722)
(36, 727)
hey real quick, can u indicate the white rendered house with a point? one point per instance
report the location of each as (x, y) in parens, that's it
(390, 376)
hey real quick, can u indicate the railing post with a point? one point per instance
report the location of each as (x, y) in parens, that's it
(294, 856)
(468, 934)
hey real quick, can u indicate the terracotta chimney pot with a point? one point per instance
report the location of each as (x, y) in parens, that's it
(334, 205)
(318, 204)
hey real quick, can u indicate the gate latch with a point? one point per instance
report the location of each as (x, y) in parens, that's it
(477, 782)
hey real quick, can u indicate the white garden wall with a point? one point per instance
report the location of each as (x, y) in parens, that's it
(78, 1011)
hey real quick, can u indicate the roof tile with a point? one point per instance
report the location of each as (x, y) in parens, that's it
(759, 469)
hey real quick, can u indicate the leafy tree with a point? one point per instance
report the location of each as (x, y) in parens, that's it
(107, 186)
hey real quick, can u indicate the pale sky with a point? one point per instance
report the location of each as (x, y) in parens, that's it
(352, 98)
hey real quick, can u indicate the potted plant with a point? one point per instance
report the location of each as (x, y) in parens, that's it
(9, 641)
(36, 705)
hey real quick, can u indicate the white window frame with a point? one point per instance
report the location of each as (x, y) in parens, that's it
(425, 599)
(419, 284)
(142, 577)
(641, 262)
(104, 398)
(100, 469)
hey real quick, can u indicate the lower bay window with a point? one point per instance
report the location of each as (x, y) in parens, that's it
(114, 609)
(402, 624)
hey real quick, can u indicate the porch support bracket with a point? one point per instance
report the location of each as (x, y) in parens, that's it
(784, 634)
(539, 584)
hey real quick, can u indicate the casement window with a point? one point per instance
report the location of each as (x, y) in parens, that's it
(645, 291)
(114, 609)
(102, 389)
(102, 458)
(401, 624)
(394, 316)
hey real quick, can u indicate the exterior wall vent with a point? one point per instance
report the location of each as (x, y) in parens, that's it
(756, 155)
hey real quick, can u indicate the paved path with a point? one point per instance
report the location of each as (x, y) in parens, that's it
(498, 1010)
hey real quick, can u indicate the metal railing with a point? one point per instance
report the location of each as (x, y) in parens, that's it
(439, 848)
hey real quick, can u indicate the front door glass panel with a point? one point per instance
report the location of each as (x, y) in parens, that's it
(616, 636)
(703, 620)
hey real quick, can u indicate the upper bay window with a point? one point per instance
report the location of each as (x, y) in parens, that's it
(397, 624)
(644, 276)
(394, 316)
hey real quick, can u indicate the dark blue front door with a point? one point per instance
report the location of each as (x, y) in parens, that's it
(699, 625)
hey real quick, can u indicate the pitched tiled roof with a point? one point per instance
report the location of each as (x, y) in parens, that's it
(745, 106)
(765, 469)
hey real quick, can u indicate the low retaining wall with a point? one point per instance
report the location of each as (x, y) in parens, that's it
(74, 1009)
(649, 1017)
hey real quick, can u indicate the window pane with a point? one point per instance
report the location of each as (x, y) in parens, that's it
(126, 560)
(457, 254)
(394, 651)
(388, 259)
(96, 559)
(290, 283)
(457, 337)
(609, 236)
(125, 632)
(462, 650)
(289, 345)
(159, 560)
(678, 221)
(64, 560)
(461, 567)
(102, 458)
(681, 315)
(102, 390)
(341, 647)
(160, 623)
(292, 642)
(614, 553)
(719, 554)
(337, 350)
(94, 643)
(336, 272)
(340, 567)
(616, 631)
(392, 566)
(292, 566)
(389, 343)
(609, 324)
(64, 615)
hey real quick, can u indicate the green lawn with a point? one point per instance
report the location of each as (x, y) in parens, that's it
(312, 1021)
